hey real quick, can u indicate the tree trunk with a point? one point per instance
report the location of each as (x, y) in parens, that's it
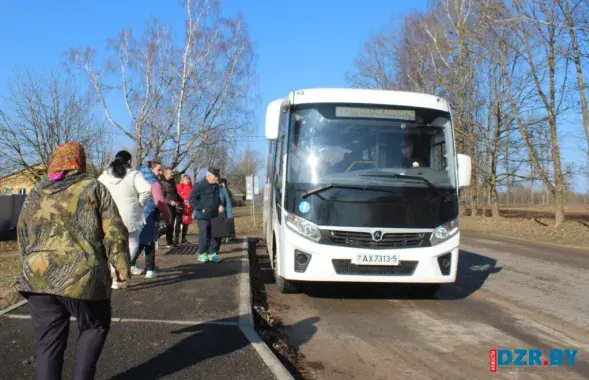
(559, 196)
(559, 203)
(473, 189)
(494, 157)
(495, 206)
(577, 60)
(139, 143)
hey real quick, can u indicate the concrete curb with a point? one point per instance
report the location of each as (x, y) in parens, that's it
(246, 320)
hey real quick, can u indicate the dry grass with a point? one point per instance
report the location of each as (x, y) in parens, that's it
(9, 269)
(571, 233)
(574, 208)
(6, 246)
(573, 211)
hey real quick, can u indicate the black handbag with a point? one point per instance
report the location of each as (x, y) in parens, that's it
(222, 227)
(162, 229)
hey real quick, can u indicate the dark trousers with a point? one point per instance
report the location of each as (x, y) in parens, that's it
(205, 242)
(184, 231)
(217, 243)
(51, 321)
(149, 256)
(173, 229)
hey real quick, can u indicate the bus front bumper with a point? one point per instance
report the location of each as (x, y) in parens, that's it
(305, 260)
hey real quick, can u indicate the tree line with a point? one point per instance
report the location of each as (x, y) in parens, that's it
(513, 72)
(182, 96)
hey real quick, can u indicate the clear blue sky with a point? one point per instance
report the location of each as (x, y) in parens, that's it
(300, 44)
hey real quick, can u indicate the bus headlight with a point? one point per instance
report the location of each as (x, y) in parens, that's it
(444, 232)
(303, 227)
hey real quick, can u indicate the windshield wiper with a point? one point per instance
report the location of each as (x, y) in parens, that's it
(343, 186)
(415, 177)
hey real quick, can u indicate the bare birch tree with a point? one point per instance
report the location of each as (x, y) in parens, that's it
(42, 111)
(140, 78)
(577, 23)
(537, 45)
(178, 95)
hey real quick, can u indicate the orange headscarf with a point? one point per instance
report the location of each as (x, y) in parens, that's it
(67, 157)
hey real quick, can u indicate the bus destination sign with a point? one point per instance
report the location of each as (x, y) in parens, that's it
(375, 113)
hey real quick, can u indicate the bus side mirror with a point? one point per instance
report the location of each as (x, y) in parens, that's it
(464, 170)
(273, 119)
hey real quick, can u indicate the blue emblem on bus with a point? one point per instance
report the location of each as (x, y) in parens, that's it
(304, 207)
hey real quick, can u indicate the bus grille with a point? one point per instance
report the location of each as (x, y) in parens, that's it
(364, 240)
(405, 268)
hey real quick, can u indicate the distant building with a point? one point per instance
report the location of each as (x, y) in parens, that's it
(20, 182)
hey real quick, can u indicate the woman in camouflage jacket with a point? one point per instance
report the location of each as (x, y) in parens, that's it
(69, 230)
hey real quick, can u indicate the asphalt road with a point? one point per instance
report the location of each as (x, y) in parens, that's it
(509, 295)
(180, 325)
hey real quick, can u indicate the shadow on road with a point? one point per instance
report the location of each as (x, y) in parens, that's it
(202, 342)
(301, 332)
(172, 274)
(191, 249)
(473, 271)
(181, 273)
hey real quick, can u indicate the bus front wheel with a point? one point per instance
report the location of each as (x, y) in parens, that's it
(285, 286)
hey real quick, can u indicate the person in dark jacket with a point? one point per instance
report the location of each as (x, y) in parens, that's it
(205, 199)
(174, 203)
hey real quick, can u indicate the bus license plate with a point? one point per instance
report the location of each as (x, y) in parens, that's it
(377, 259)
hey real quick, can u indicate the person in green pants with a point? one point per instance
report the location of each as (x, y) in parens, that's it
(205, 199)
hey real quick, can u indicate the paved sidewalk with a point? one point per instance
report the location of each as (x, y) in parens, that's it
(187, 323)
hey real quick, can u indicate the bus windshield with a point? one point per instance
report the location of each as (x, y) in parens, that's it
(342, 143)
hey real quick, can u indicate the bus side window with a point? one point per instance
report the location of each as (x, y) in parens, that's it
(270, 162)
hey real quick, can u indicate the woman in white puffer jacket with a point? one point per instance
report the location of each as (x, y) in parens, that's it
(130, 191)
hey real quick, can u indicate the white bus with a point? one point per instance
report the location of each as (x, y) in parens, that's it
(362, 186)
